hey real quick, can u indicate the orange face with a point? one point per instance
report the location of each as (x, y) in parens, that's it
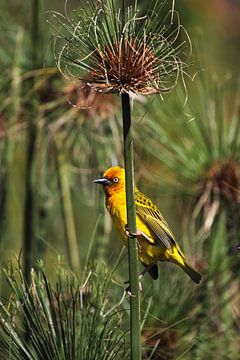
(113, 180)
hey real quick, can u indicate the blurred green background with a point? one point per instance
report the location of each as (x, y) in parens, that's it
(54, 142)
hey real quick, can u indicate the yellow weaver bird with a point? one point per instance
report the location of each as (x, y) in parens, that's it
(154, 237)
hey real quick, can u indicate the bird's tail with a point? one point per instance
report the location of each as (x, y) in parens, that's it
(178, 258)
(193, 274)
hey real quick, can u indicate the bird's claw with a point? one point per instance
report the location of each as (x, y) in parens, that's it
(129, 233)
(128, 289)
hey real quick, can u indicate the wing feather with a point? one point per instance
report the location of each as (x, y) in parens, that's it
(152, 217)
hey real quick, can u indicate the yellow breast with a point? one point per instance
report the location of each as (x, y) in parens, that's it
(148, 253)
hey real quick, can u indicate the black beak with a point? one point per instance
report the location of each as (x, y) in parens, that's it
(102, 181)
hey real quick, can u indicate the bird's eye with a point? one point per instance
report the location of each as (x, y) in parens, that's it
(115, 180)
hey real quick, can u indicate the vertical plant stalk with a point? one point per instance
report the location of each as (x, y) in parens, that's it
(67, 210)
(29, 211)
(135, 321)
(29, 208)
(30, 205)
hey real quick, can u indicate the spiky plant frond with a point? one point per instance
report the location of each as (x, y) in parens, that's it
(196, 150)
(69, 321)
(121, 49)
(198, 146)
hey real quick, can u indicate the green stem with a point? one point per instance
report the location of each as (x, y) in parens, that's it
(29, 209)
(29, 221)
(135, 321)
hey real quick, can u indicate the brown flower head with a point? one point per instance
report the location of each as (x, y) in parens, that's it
(224, 179)
(126, 67)
(122, 50)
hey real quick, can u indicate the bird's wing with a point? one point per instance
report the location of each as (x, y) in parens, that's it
(152, 217)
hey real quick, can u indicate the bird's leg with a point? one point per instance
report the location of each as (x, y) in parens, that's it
(140, 275)
(131, 235)
(147, 268)
(128, 289)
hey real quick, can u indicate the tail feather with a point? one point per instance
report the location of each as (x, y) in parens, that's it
(193, 274)
(178, 258)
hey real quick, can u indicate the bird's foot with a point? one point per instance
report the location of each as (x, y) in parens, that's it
(140, 288)
(131, 234)
(128, 289)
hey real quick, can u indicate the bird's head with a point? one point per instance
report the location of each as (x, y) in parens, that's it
(113, 180)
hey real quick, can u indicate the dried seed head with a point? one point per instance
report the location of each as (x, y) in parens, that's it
(221, 185)
(225, 180)
(120, 50)
(130, 66)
